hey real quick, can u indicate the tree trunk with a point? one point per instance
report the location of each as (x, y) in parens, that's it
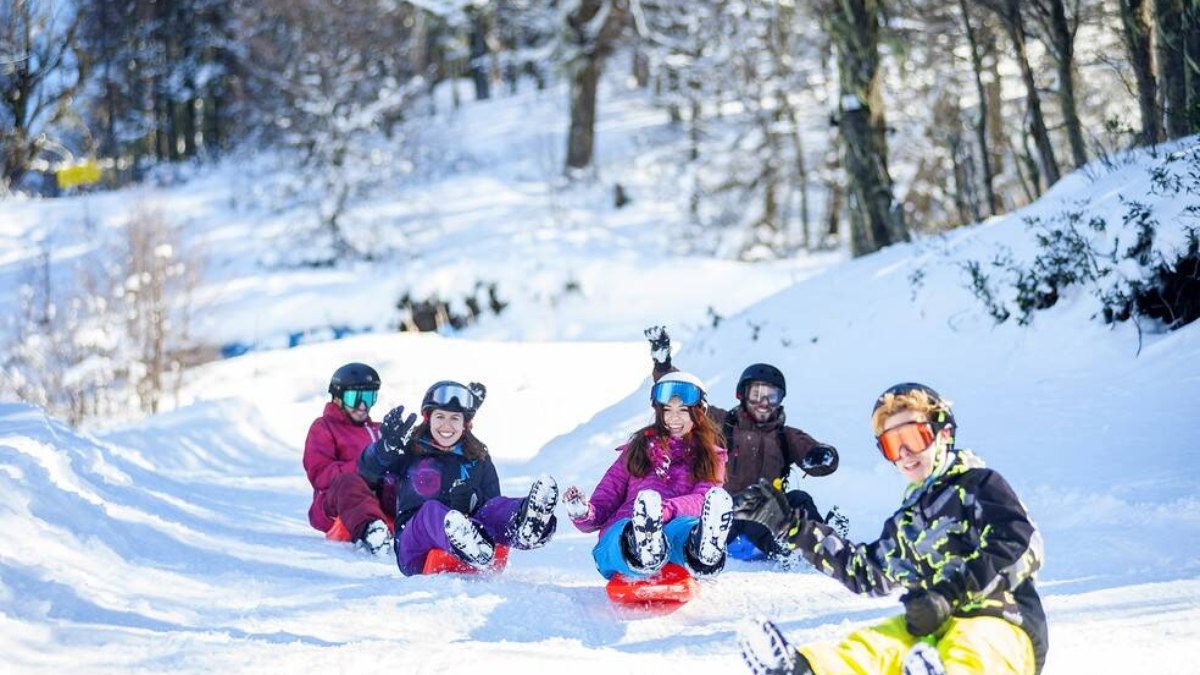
(875, 218)
(1037, 122)
(1172, 65)
(592, 49)
(479, 53)
(1135, 20)
(981, 135)
(581, 138)
(1064, 40)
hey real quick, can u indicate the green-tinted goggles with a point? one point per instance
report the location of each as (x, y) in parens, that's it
(352, 397)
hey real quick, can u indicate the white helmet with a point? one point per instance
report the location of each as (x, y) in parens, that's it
(688, 388)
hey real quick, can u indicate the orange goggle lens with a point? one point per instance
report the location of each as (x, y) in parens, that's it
(916, 436)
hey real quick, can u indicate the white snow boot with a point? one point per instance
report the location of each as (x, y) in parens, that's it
(923, 659)
(648, 545)
(532, 524)
(469, 543)
(709, 538)
(376, 537)
(767, 652)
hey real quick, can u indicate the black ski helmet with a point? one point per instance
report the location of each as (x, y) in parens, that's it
(761, 372)
(452, 396)
(941, 418)
(358, 376)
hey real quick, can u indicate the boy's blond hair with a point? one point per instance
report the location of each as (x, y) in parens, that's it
(915, 400)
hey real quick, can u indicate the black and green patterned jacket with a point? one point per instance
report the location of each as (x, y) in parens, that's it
(963, 533)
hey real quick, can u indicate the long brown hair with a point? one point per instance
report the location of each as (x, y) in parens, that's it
(704, 437)
(472, 447)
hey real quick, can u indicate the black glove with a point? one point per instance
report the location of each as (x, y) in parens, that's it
(763, 504)
(925, 611)
(660, 346)
(396, 430)
(822, 460)
(479, 391)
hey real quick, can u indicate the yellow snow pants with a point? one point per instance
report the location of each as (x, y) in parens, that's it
(981, 644)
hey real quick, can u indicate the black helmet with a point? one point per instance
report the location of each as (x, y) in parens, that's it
(452, 396)
(761, 372)
(942, 416)
(353, 376)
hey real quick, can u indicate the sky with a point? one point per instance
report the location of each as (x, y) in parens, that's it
(179, 541)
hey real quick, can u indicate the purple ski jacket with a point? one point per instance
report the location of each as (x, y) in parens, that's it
(682, 495)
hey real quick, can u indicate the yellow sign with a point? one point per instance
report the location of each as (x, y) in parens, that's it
(80, 174)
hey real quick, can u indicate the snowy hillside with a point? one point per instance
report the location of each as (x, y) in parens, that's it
(180, 543)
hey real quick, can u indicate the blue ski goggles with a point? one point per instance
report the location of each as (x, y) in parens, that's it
(351, 398)
(452, 396)
(687, 393)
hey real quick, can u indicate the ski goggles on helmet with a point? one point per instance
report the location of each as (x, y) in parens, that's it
(687, 393)
(761, 393)
(916, 436)
(452, 396)
(352, 397)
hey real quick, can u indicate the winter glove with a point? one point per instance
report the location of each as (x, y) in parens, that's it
(396, 430)
(762, 503)
(925, 611)
(577, 503)
(822, 460)
(660, 346)
(479, 391)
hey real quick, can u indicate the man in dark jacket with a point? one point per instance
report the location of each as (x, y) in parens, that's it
(761, 444)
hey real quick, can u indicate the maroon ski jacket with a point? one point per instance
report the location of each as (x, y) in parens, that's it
(332, 448)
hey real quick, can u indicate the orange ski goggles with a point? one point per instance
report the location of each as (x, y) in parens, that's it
(916, 436)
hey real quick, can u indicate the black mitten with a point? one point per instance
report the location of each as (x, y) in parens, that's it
(925, 611)
(396, 430)
(660, 346)
(763, 504)
(822, 460)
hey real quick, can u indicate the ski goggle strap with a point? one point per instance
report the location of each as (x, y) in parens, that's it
(445, 394)
(687, 393)
(352, 397)
(916, 436)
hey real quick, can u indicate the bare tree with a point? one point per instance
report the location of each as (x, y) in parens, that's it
(1009, 12)
(593, 29)
(40, 72)
(875, 218)
(1057, 31)
(1137, 31)
(981, 119)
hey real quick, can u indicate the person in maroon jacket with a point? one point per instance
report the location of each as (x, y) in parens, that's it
(335, 441)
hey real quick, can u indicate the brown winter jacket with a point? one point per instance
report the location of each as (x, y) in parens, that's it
(754, 449)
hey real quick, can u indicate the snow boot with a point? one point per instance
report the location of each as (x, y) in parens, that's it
(767, 652)
(531, 527)
(469, 543)
(645, 538)
(923, 659)
(709, 538)
(376, 537)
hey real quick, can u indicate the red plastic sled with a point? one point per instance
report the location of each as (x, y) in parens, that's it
(338, 531)
(674, 585)
(441, 562)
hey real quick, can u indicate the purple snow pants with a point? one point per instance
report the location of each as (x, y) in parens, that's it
(426, 530)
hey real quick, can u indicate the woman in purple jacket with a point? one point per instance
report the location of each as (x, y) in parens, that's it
(662, 500)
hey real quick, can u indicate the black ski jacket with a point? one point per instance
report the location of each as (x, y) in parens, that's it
(963, 533)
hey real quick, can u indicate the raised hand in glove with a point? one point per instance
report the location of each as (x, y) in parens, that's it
(660, 346)
(578, 506)
(925, 611)
(479, 391)
(397, 430)
(822, 460)
(762, 503)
